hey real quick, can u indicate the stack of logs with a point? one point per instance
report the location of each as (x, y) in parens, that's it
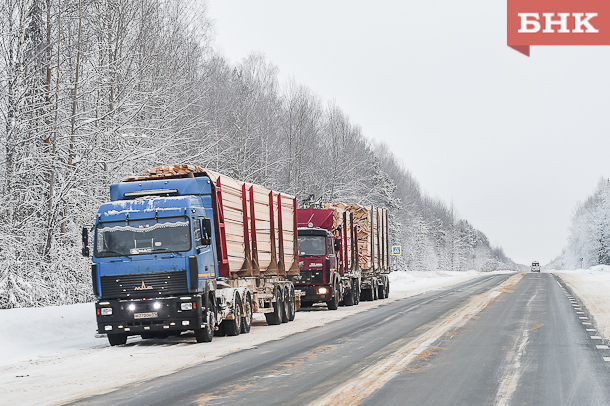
(362, 220)
(166, 172)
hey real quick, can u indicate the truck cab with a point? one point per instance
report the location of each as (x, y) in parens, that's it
(318, 266)
(154, 262)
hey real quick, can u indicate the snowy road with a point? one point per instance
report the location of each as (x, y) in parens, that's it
(353, 359)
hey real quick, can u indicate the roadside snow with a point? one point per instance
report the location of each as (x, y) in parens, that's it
(592, 286)
(51, 356)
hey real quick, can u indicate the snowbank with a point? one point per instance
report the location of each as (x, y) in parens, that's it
(48, 355)
(592, 286)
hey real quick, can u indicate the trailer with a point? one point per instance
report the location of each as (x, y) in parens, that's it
(185, 248)
(372, 236)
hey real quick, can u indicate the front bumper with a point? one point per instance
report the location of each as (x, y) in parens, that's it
(312, 295)
(135, 317)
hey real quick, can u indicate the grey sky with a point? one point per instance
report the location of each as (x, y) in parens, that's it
(514, 142)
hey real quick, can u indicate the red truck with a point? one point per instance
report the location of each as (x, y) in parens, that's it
(343, 254)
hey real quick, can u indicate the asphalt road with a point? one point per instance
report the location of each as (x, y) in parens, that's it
(527, 347)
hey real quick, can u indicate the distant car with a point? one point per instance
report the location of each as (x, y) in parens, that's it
(535, 266)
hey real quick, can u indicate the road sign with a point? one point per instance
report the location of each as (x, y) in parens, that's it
(396, 250)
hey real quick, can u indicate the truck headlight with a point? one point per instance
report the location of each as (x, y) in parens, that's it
(322, 290)
(156, 305)
(106, 311)
(186, 306)
(132, 307)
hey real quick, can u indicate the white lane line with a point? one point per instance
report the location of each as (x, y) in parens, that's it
(580, 312)
(591, 329)
(583, 318)
(596, 338)
(602, 347)
(586, 323)
(607, 359)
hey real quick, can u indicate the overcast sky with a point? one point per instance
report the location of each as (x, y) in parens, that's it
(514, 142)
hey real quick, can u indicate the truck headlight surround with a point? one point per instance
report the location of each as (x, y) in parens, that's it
(186, 306)
(106, 311)
(322, 290)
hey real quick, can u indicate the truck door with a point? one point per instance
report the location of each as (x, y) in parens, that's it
(203, 248)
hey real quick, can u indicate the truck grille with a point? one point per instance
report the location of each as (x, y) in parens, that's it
(311, 276)
(144, 285)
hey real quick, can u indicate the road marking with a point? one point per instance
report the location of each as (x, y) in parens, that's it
(580, 312)
(607, 359)
(602, 347)
(591, 329)
(583, 318)
(586, 323)
(355, 390)
(596, 338)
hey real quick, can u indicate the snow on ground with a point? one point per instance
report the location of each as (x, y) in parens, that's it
(51, 355)
(592, 286)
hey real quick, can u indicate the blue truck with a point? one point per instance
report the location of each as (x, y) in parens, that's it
(186, 249)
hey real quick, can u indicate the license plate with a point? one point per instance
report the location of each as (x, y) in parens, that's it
(149, 315)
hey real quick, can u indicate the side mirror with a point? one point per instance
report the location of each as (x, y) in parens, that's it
(206, 231)
(337, 245)
(85, 236)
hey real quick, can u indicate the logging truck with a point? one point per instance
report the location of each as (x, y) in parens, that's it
(343, 254)
(186, 249)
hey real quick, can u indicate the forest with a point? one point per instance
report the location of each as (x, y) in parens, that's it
(92, 91)
(589, 237)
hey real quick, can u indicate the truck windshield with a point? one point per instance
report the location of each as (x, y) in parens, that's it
(312, 245)
(137, 237)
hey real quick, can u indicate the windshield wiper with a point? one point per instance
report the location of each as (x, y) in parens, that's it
(165, 250)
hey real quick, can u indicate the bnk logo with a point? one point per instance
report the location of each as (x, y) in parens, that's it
(558, 22)
(530, 22)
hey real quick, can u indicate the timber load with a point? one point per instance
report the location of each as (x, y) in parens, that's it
(256, 227)
(371, 230)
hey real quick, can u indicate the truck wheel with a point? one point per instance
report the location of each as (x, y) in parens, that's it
(292, 309)
(275, 318)
(348, 300)
(246, 320)
(117, 339)
(233, 327)
(333, 304)
(285, 305)
(206, 334)
(381, 292)
(387, 288)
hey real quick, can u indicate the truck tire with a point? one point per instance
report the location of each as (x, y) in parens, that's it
(292, 309)
(387, 287)
(246, 321)
(356, 291)
(233, 326)
(333, 304)
(381, 292)
(206, 334)
(349, 299)
(285, 305)
(117, 339)
(275, 318)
